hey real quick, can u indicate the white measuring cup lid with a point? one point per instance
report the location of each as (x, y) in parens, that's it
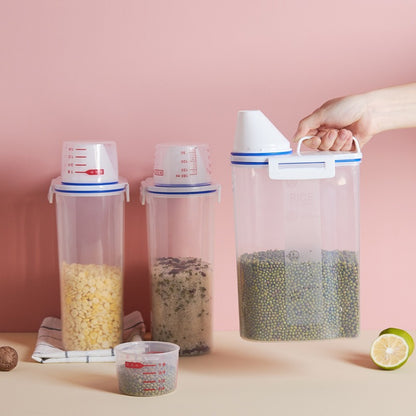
(256, 138)
(85, 162)
(89, 169)
(182, 165)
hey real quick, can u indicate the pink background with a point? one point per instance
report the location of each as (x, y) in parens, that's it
(149, 71)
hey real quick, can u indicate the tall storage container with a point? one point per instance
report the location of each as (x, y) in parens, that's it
(180, 205)
(90, 222)
(297, 236)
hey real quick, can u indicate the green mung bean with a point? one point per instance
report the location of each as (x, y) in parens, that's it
(282, 297)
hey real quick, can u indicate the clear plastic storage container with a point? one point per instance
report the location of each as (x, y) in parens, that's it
(297, 236)
(180, 205)
(90, 222)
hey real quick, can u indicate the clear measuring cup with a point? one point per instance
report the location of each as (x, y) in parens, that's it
(147, 368)
(182, 165)
(180, 232)
(90, 223)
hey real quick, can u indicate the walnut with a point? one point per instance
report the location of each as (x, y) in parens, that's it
(8, 358)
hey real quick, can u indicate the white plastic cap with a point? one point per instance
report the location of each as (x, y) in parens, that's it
(186, 165)
(89, 162)
(255, 133)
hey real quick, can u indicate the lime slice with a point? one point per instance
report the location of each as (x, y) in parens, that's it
(389, 351)
(401, 333)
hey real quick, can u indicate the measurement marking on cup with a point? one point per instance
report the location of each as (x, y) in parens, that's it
(194, 166)
(131, 364)
(161, 388)
(91, 171)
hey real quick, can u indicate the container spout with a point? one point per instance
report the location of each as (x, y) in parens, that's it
(255, 133)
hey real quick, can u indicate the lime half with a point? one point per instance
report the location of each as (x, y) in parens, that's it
(389, 351)
(401, 333)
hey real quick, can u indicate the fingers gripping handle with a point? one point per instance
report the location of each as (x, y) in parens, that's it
(357, 144)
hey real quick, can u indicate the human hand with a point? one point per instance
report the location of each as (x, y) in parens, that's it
(335, 123)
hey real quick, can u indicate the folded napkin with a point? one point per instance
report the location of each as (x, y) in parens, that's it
(49, 347)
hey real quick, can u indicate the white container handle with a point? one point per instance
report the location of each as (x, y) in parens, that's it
(302, 167)
(357, 145)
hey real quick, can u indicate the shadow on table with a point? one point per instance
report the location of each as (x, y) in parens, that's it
(360, 359)
(101, 382)
(91, 379)
(238, 362)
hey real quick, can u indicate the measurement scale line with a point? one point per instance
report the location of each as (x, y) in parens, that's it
(130, 364)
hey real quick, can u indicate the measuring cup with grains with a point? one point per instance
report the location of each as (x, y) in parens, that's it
(147, 368)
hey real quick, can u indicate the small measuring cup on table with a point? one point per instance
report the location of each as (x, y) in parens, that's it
(147, 368)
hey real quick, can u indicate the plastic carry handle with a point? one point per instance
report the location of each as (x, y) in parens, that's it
(315, 165)
(302, 167)
(357, 145)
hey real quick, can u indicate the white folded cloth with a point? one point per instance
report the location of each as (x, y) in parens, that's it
(49, 347)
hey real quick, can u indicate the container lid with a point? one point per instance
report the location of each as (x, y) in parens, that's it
(148, 185)
(182, 165)
(88, 169)
(258, 142)
(180, 170)
(256, 139)
(57, 185)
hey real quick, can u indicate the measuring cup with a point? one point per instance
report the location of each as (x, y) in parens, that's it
(147, 368)
(89, 162)
(184, 165)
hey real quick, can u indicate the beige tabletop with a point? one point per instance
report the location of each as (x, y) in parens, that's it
(333, 377)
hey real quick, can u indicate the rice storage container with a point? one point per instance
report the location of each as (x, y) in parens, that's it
(90, 222)
(180, 204)
(297, 236)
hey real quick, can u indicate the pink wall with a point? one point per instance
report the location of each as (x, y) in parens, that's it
(147, 71)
